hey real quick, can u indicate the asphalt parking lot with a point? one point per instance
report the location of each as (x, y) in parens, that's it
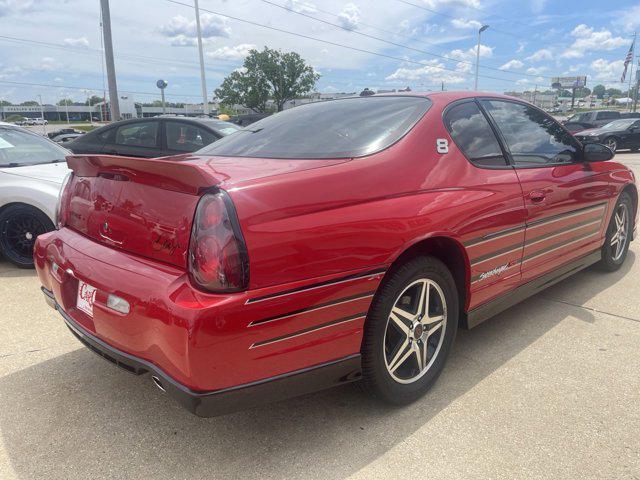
(548, 389)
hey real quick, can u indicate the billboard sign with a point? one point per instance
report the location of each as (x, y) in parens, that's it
(568, 82)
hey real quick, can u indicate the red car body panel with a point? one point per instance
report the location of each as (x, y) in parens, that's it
(320, 235)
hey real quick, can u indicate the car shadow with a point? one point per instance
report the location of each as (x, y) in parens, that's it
(8, 270)
(77, 416)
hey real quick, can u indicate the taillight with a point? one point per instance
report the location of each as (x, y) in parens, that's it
(62, 207)
(218, 260)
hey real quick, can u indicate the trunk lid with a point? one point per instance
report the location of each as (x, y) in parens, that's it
(146, 206)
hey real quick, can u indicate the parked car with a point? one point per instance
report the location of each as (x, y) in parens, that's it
(31, 171)
(333, 242)
(152, 137)
(586, 120)
(630, 115)
(619, 134)
(66, 137)
(38, 121)
(248, 119)
(63, 131)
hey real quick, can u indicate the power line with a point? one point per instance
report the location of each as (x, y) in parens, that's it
(443, 57)
(335, 44)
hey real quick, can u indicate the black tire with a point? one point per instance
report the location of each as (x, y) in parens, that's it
(612, 260)
(20, 225)
(377, 379)
(612, 143)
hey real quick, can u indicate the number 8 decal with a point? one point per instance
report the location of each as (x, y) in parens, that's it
(442, 145)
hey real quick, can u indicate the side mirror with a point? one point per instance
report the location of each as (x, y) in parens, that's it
(596, 152)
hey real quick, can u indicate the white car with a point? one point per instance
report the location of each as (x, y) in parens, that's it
(32, 169)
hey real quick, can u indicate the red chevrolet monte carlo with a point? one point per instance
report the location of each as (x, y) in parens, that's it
(333, 242)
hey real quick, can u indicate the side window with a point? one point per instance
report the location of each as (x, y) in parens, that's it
(473, 135)
(532, 137)
(607, 115)
(107, 135)
(139, 134)
(186, 137)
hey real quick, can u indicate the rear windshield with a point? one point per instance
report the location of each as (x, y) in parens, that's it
(351, 127)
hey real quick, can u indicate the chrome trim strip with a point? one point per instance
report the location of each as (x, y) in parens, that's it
(493, 236)
(339, 301)
(564, 216)
(315, 286)
(484, 258)
(544, 252)
(562, 232)
(308, 330)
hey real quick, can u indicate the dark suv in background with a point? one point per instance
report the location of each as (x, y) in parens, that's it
(583, 121)
(152, 137)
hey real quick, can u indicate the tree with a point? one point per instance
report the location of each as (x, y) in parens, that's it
(267, 74)
(30, 103)
(94, 100)
(599, 90)
(582, 92)
(5, 103)
(65, 101)
(613, 92)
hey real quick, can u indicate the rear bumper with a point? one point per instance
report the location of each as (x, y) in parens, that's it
(221, 402)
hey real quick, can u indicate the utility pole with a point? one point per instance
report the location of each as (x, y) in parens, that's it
(633, 51)
(44, 127)
(480, 30)
(111, 68)
(203, 81)
(635, 92)
(442, 85)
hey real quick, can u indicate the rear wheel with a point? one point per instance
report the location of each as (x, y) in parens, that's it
(616, 244)
(409, 331)
(20, 225)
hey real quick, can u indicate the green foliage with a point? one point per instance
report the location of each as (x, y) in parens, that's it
(93, 100)
(66, 101)
(267, 74)
(30, 103)
(599, 91)
(5, 103)
(582, 92)
(14, 118)
(614, 92)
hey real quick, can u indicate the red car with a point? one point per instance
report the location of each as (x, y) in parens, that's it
(333, 242)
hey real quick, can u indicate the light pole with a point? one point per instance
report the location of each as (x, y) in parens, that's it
(480, 30)
(162, 84)
(203, 81)
(44, 128)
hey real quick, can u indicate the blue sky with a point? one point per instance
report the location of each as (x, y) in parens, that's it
(393, 43)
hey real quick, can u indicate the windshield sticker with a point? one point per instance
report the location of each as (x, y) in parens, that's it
(5, 144)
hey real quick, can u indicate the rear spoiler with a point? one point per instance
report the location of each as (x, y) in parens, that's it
(172, 175)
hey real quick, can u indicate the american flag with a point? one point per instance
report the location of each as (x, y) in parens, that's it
(628, 60)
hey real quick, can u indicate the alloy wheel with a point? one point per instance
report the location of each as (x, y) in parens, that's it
(621, 232)
(20, 232)
(611, 143)
(415, 330)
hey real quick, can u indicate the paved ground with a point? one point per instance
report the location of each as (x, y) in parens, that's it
(548, 389)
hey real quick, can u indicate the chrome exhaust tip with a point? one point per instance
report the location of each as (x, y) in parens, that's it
(158, 383)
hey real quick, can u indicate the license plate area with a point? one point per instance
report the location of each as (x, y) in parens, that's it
(86, 297)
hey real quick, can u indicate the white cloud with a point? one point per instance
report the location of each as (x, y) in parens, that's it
(47, 63)
(628, 19)
(538, 5)
(76, 42)
(458, 3)
(9, 72)
(589, 40)
(58, 80)
(300, 6)
(521, 46)
(9, 7)
(183, 31)
(536, 70)
(512, 64)
(468, 57)
(431, 71)
(605, 70)
(349, 17)
(542, 54)
(464, 23)
(237, 52)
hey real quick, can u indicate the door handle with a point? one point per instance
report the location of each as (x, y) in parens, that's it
(537, 196)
